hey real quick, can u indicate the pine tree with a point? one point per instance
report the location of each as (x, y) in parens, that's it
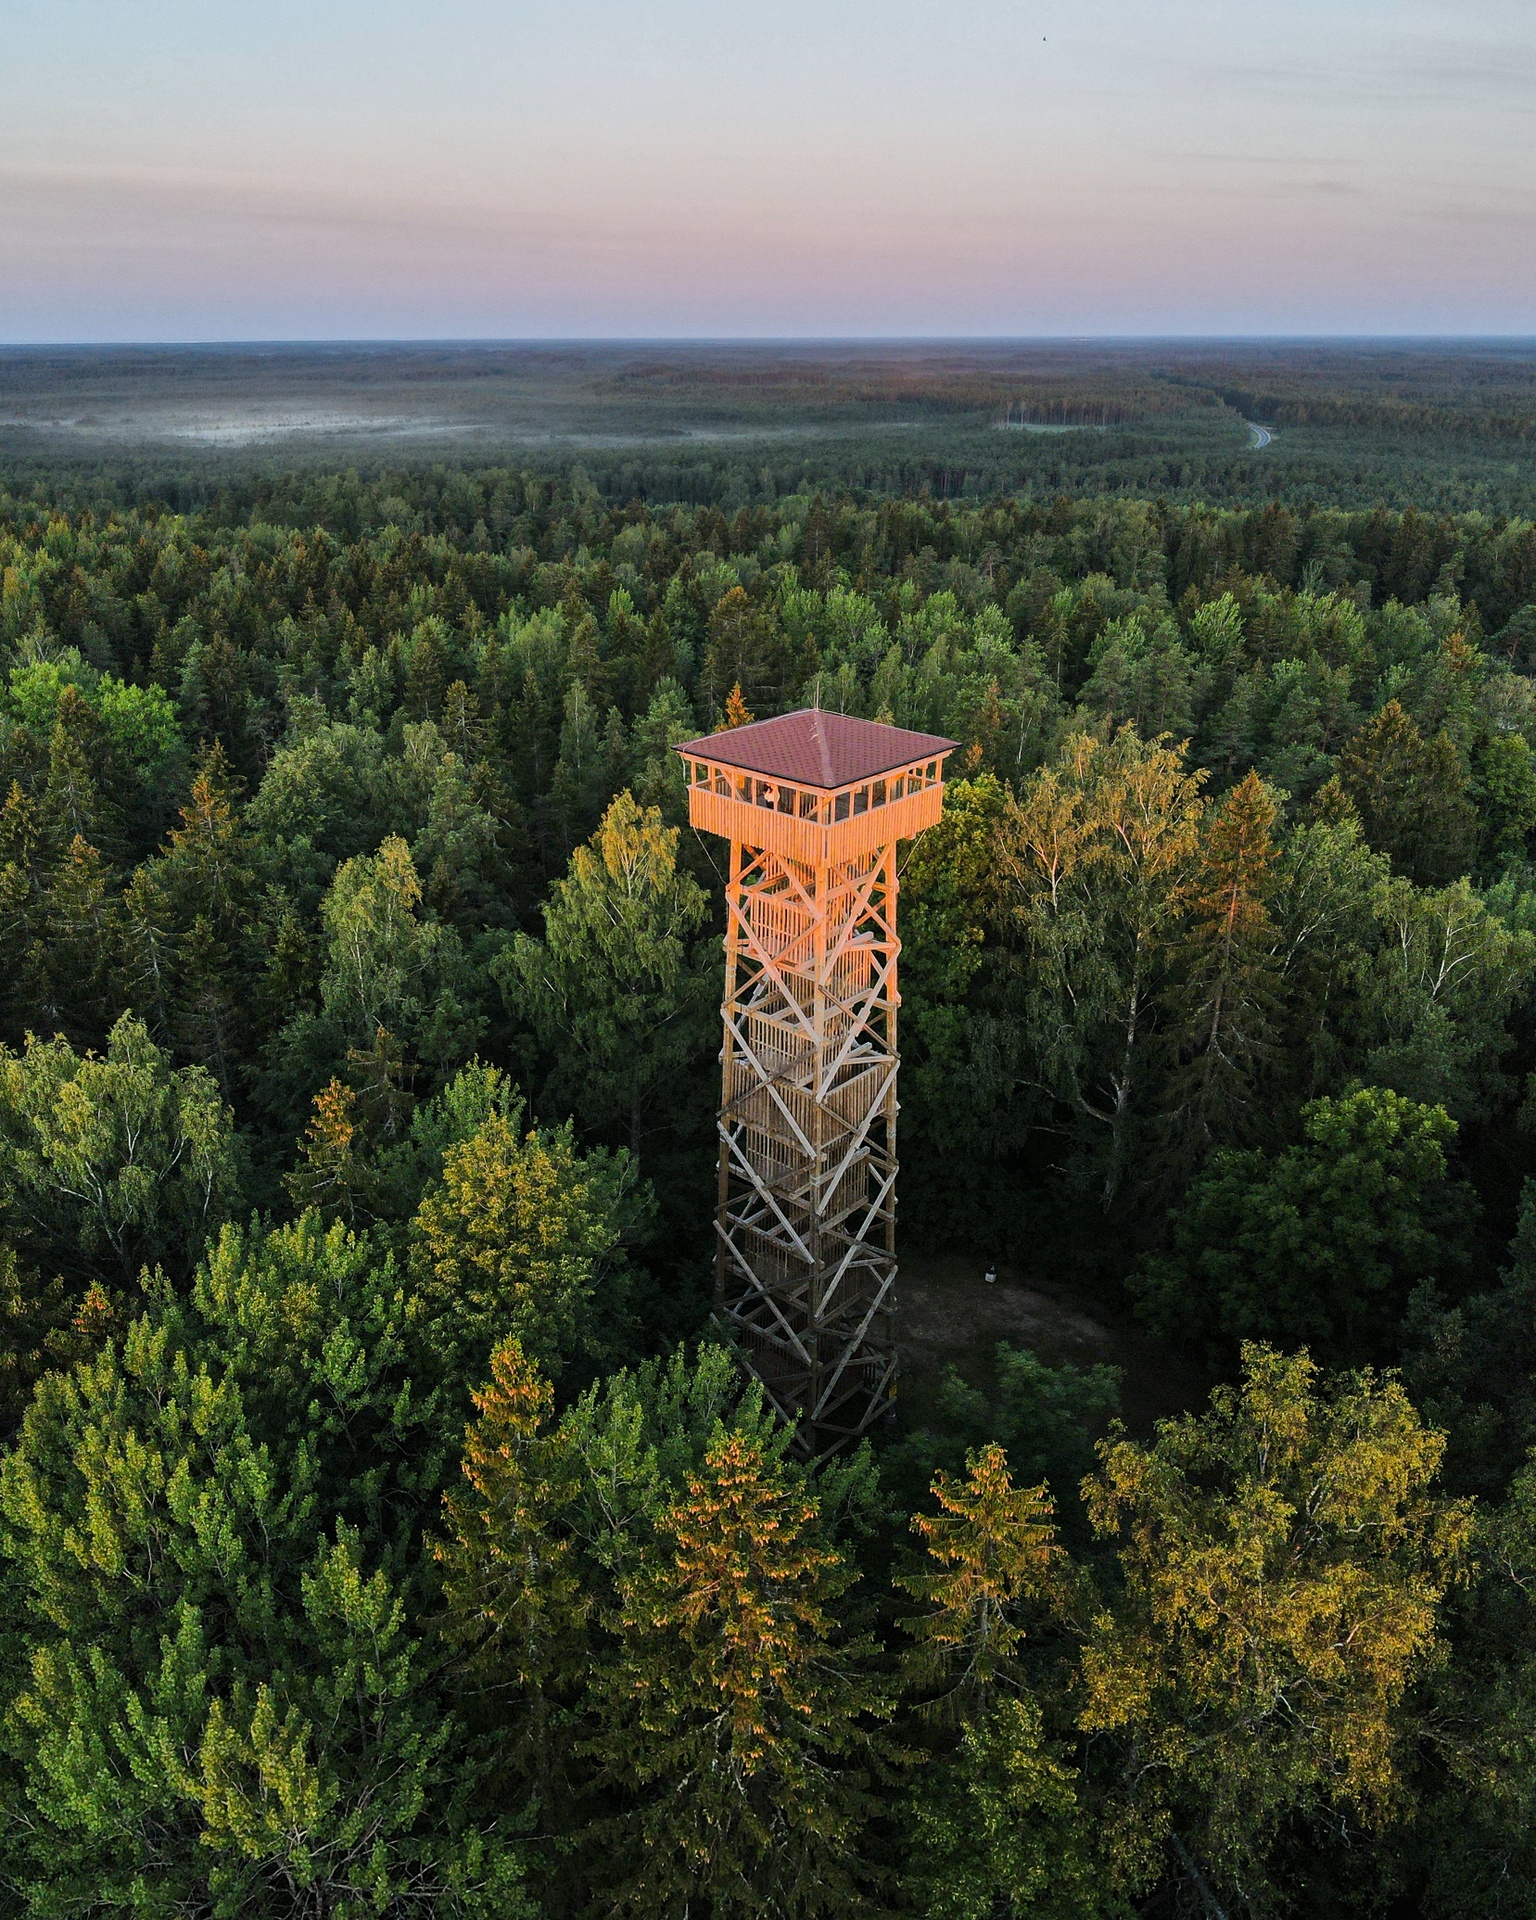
(145, 970)
(522, 1238)
(37, 1319)
(737, 713)
(579, 789)
(183, 923)
(221, 1706)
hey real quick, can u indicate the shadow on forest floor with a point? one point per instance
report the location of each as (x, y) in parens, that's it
(948, 1315)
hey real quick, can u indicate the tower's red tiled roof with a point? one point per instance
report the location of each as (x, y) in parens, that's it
(817, 749)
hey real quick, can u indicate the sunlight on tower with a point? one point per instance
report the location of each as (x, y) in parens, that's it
(813, 805)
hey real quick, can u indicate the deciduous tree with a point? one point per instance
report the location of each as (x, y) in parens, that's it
(1283, 1558)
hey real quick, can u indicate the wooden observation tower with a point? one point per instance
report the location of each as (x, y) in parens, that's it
(813, 805)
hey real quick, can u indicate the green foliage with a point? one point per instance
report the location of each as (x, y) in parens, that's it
(1222, 1005)
(1287, 1545)
(395, 990)
(512, 1597)
(662, 1514)
(615, 993)
(525, 1237)
(326, 1340)
(225, 1707)
(1410, 794)
(361, 795)
(995, 1550)
(140, 722)
(997, 1827)
(742, 1732)
(1478, 1850)
(1097, 855)
(1047, 1418)
(1322, 1243)
(957, 1076)
(1471, 1364)
(1435, 997)
(1504, 790)
(111, 1163)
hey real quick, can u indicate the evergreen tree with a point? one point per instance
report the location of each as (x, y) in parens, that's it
(68, 970)
(1222, 1007)
(72, 807)
(995, 1546)
(1411, 796)
(1476, 1844)
(614, 992)
(742, 1733)
(517, 1606)
(742, 655)
(227, 1704)
(525, 1238)
(994, 1819)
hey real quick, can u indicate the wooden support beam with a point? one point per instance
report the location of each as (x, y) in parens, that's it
(807, 1251)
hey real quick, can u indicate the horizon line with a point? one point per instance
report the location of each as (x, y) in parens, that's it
(568, 341)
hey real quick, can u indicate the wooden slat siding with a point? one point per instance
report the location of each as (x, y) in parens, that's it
(807, 840)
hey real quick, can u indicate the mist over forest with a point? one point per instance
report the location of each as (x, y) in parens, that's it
(386, 1525)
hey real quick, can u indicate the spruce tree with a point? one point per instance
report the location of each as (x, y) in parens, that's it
(996, 1550)
(738, 1723)
(1223, 1006)
(616, 993)
(993, 1820)
(517, 1605)
(1411, 796)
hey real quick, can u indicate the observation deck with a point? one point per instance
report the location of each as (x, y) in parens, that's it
(817, 787)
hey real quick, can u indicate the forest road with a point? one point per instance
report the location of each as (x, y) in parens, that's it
(1261, 435)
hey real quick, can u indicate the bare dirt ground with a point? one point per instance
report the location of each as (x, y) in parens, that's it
(947, 1315)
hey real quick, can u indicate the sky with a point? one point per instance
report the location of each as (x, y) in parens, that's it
(493, 169)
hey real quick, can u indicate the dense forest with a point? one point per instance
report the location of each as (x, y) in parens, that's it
(1440, 426)
(383, 1530)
